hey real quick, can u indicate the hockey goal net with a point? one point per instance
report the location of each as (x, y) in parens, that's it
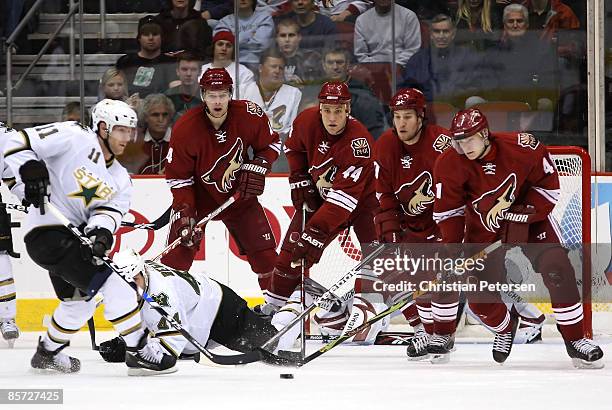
(572, 215)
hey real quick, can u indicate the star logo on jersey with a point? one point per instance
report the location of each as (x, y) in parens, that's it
(491, 207)
(323, 147)
(442, 143)
(276, 119)
(162, 299)
(406, 161)
(91, 188)
(489, 168)
(324, 175)
(223, 172)
(416, 195)
(361, 148)
(221, 136)
(527, 140)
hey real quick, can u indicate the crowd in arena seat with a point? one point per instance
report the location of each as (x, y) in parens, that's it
(458, 52)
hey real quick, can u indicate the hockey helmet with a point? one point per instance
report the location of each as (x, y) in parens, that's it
(334, 92)
(407, 99)
(113, 112)
(469, 122)
(216, 79)
(130, 262)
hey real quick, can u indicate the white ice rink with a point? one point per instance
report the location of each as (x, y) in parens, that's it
(349, 377)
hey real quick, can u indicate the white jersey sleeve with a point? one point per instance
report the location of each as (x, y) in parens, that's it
(192, 300)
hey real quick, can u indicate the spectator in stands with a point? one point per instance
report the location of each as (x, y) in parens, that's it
(72, 112)
(223, 57)
(364, 105)
(444, 71)
(477, 23)
(525, 65)
(318, 31)
(113, 85)
(256, 31)
(187, 94)
(373, 34)
(279, 101)
(148, 155)
(342, 10)
(148, 71)
(214, 10)
(301, 66)
(550, 16)
(427, 9)
(195, 37)
(177, 13)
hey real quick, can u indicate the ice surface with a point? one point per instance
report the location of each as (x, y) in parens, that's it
(349, 377)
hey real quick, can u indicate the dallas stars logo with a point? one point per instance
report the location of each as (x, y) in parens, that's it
(91, 188)
(88, 195)
(161, 299)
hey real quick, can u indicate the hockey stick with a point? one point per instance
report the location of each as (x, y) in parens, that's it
(199, 225)
(382, 338)
(242, 358)
(92, 333)
(326, 298)
(291, 356)
(153, 226)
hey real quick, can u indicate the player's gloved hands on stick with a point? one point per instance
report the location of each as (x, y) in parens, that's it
(388, 226)
(35, 177)
(113, 350)
(102, 241)
(304, 191)
(183, 223)
(253, 177)
(309, 247)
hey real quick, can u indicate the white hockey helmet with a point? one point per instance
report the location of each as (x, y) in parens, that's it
(113, 112)
(130, 262)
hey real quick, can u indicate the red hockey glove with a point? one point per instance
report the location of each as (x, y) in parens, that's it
(516, 229)
(253, 177)
(183, 222)
(304, 191)
(388, 226)
(309, 247)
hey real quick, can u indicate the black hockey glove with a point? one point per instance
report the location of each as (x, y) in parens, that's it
(309, 248)
(35, 177)
(102, 240)
(113, 350)
(253, 177)
(304, 191)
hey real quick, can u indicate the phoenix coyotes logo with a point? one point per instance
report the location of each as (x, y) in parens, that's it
(416, 195)
(276, 119)
(442, 143)
(492, 205)
(527, 140)
(223, 172)
(323, 176)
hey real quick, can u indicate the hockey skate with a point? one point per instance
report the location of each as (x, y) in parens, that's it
(47, 361)
(149, 360)
(585, 354)
(10, 331)
(440, 348)
(417, 346)
(502, 344)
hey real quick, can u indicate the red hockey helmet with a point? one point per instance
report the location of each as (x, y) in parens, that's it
(468, 122)
(408, 99)
(334, 92)
(216, 79)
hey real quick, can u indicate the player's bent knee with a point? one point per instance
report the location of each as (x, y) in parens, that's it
(262, 262)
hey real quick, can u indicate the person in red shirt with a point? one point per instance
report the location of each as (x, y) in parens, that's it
(208, 161)
(504, 186)
(331, 174)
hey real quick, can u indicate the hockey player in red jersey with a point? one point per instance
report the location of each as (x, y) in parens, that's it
(208, 161)
(505, 185)
(404, 158)
(332, 174)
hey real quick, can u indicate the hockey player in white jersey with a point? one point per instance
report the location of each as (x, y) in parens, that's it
(75, 169)
(8, 302)
(208, 310)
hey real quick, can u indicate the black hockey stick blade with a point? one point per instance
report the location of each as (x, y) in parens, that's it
(92, 333)
(159, 223)
(383, 338)
(283, 359)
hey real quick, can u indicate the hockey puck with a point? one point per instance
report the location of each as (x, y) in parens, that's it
(286, 376)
